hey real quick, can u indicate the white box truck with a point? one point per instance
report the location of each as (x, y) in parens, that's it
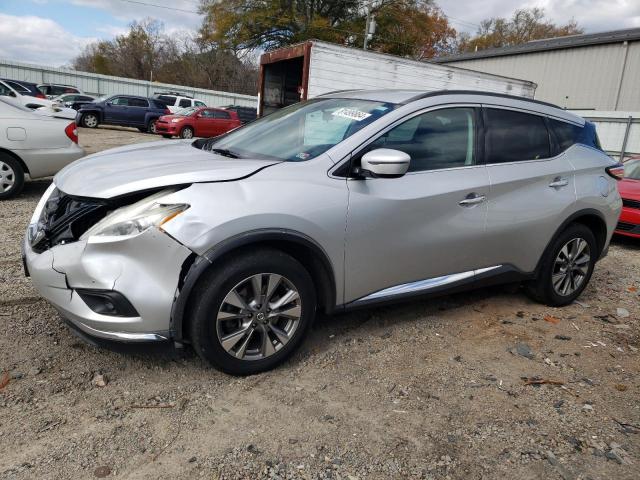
(306, 70)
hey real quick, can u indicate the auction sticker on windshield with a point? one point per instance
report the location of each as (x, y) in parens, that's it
(351, 114)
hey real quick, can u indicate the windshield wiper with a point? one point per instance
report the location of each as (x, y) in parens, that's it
(224, 152)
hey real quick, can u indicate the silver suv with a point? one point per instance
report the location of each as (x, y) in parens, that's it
(232, 244)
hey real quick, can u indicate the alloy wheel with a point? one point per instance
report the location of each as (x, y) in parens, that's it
(571, 266)
(90, 121)
(152, 127)
(7, 177)
(187, 133)
(259, 316)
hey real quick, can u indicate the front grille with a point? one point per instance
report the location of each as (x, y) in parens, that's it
(65, 218)
(627, 202)
(625, 227)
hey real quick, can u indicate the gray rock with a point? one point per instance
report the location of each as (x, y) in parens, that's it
(524, 350)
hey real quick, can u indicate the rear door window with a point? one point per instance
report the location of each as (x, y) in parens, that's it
(513, 136)
(138, 102)
(221, 114)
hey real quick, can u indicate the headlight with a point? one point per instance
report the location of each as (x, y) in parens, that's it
(136, 218)
(35, 232)
(176, 120)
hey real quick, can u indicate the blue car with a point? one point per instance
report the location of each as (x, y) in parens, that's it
(124, 110)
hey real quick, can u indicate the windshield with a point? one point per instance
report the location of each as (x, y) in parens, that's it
(300, 132)
(185, 112)
(632, 169)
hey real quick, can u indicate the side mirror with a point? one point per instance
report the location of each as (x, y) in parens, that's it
(384, 162)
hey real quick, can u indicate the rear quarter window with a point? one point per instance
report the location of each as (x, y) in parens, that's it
(567, 134)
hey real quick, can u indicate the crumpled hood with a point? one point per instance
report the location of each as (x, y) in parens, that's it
(145, 166)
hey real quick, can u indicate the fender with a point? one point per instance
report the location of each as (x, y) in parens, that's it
(196, 265)
(572, 218)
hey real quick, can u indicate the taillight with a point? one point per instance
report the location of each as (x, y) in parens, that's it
(40, 95)
(616, 171)
(72, 132)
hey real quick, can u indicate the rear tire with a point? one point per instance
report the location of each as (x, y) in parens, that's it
(90, 120)
(186, 132)
(11, 177)
(566, 267)
(237, 323)
(151, 128)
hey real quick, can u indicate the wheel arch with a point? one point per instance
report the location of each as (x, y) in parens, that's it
(592, 219)
(96, 112)
(16, 158)
(304, 249)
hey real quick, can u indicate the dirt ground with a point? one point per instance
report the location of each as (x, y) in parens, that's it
(430, 389)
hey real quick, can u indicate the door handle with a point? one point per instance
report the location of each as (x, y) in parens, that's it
(472, 199)
(559, 182)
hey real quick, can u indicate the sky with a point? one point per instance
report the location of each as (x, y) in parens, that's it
(53, 32)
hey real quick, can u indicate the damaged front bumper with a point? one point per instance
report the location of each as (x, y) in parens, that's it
(120, 290)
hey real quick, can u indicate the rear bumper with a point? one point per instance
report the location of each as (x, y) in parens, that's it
(143, 269)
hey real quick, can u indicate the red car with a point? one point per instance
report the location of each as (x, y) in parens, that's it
(629, 188)
(197, 122)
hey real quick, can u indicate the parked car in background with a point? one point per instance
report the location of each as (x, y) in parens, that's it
(349, 199)
(52, 90)
(35, 144)
(24, 88)
(197, 122)
(22, 94)
(245, 114)
(125, 110)
(176, 101)
(629, 187)
(73, 100)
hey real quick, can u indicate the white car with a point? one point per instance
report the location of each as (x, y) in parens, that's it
(7, 89)
(177, 101)
(34, 144)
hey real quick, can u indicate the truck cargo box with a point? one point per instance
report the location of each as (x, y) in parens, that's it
(312, 68)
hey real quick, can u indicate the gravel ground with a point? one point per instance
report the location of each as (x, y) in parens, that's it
(428, 389)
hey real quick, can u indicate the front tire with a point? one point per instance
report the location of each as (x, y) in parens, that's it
(566, 267)
(187, 132)
(252, 312)
(11, 177)
(90, 120)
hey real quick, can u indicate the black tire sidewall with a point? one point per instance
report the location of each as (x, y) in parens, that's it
(151, 126)
(18, 171)
(84, 120)
(215, 285)
(183, 130)
(545, 286)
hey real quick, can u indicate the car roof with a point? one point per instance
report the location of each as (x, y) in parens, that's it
(404, 97)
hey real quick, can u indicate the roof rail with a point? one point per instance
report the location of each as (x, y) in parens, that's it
(479, 92)
(173, 93)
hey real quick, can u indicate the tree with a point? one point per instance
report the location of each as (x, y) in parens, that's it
(525, 25)
(416, 29)
(145, 52)
(413, 28)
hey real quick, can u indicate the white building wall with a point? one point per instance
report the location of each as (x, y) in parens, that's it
(575, 78)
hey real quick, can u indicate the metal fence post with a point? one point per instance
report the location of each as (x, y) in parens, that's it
(626, 138)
